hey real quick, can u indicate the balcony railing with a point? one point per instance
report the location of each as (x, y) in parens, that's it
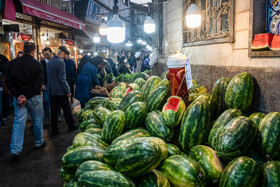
(59, 4)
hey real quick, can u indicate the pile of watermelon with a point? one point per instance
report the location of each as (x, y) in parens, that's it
(145, 137)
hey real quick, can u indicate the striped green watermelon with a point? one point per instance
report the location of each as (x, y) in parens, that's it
(156, 126)
(240, 91)
(241, 172)
(112, 104)
(82, 126)
(133, 133)
(114, 152)
(140, 81)
(139, 159)
(195, 126)
(183, 171)
(131, 87)
(257, 118)
(173, 111)
(77, 156)
(220, 123)
(193, 97)
(150, 86)
(87, 139)
(130, 98)
(173, 149)
(165, 83)
(218, 95)
(236, 138)
(269, 138)
(135, 115)
(102, 178)
(194, 82)
(163, 75)
(94, 130)
(207, 99)
(95, 101)
(199, 89)
(208, 160)
(157, 98)
(113, 126)
(91, 165)
(117, 94)
(154, 179)
(70, 148)
(72, 183)
(122, 85)
(100, 114)
(86, 115)
(65, 175)
(271, 174)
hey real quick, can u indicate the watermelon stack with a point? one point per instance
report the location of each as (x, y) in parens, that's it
(147, 137)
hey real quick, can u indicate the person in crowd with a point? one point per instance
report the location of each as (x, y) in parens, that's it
(47, 52)
(5, 94)
(24, 79)
(59, 91)
(122, 53)
(70, 67)
(1, 90)
(87, 78)
(146, 63)
(131, 60)
(113, 61)
(19, 54)
(106, 69)
(124, 66)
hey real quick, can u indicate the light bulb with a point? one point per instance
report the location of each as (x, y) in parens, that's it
(149, 25)
(144, 43)
(193, 16)
(103, 29)
(48, 42)
(115, 30)
(89, 54)
(96, 38)
(75, 48)
(139, 41)
(81, 51)
(149, 47)
(129, 44)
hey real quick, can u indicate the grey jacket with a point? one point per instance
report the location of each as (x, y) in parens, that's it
(57, 84)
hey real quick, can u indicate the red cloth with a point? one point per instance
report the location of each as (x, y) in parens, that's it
(10, 11)
(41, 10)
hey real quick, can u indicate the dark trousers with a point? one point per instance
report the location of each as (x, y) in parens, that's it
(72, 89)
(64, 103)
(82, 105)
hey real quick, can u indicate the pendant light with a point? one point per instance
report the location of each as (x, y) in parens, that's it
(129, 44)
(115, 27)
(103, 29)
(193, 16)
(149, 24)
(96, 38)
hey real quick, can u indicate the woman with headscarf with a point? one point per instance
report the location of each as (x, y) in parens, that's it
(113, 61)
(87, 78)
(124, 67)
(146, 63)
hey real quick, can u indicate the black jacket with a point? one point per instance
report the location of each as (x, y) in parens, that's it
(24, 76)
(44, 64)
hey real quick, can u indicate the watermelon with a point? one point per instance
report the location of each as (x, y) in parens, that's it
(194, 82)
(100, 114)
(262, 41)
(240, 91)
(220, 123)
(113, 126)
(130, 98)
(103, 178)
(173, 149)
(154, 178)
(163, 75)
(92, 125)
(91, 165)
(165, 83)
(150, 86)
(241, 172)
(114, 152)
(144, 75)
(82, 126)
(93, 131)
(135, 115)
(183, 171)
(195, 126)
(207, 99)
(87, 139)
(257, 118)
(173, 111)
(156, 126)
(157, 98)
(140, 81)
(139, 159)
(77, 156)
(133, 133)
(193, 97)
(72, 183)
(122, 85)
(112, 105)
(208, 160)
(218, 95)
(65, 175)
(86, 115)
(70, 148)
(271, 173)
(269, 138)
(131, 87)
(199, 89)
(117, 94)
(236, 138)
(95, 101)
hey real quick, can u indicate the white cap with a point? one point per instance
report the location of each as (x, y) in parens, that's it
(177, 60)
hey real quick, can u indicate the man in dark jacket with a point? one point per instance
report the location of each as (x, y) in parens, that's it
(146, 64)
(59, 90)
(24, 79)
(70, 74)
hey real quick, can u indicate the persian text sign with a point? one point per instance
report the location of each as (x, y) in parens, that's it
(188, 72)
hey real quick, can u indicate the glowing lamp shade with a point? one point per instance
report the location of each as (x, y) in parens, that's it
(48, 42)
(75, 48)
(149, 25)
(193, 16)
(96, 38)
(115, 30)
(103, 29)
(129, 44)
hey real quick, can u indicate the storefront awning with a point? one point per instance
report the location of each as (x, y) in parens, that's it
(41, 10)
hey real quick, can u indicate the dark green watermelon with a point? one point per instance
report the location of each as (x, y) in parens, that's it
(133, 133)
(130, 98)
(257, 118)
(65, 175)
(135, 115)
(91, 165)
(271, 174)
(157, 98)
(100, 114)
(154, 179)
(173, 149)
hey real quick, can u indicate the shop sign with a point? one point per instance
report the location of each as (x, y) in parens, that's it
(69, 42)
(188, 72)
(22, 37)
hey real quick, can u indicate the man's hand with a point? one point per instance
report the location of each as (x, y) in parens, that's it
(43, 87)
(69, 95)
(22, 100)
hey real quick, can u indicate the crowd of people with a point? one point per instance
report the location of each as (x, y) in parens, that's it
(42, 89)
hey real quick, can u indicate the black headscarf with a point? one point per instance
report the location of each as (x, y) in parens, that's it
(84, 60)
(97, 61)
